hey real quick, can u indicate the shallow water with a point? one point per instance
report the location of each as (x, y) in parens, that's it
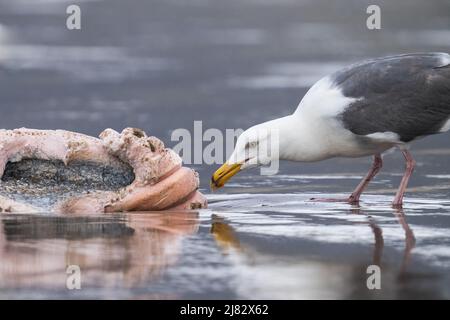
(251, 246)
(258, 240)
(160, 65)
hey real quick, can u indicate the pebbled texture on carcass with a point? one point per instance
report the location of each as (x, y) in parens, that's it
(68, 172)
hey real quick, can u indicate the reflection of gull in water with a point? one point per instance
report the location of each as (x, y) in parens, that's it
(379, 242)
(311, 270)
(114, 251)
(410, 240)
(224, 235)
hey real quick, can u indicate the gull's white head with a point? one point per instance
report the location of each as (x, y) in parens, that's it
(257, 146)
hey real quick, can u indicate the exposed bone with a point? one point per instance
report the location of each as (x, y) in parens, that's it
(160, 182)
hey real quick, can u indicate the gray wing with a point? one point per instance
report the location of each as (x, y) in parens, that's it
(406, 94)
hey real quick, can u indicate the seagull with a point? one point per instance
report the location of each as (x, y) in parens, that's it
(362, 110)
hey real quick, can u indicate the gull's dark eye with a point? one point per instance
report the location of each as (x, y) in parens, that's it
(251, 144)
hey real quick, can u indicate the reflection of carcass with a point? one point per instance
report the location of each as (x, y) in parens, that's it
(111, 251)
(61, 171)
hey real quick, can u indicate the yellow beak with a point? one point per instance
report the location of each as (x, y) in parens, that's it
(223, 174)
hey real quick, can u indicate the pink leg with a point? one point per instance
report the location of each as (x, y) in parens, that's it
(410, 164)
(356, 194)
(376, 166)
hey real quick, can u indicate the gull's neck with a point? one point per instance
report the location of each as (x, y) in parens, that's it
(299, 140)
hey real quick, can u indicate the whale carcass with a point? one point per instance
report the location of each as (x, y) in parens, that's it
(67, 172)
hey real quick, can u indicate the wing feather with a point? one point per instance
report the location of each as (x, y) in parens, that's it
(407, 94)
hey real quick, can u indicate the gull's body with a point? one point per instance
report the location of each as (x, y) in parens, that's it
(362, 110)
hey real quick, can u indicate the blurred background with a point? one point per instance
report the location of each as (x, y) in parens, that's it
(161, 64)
